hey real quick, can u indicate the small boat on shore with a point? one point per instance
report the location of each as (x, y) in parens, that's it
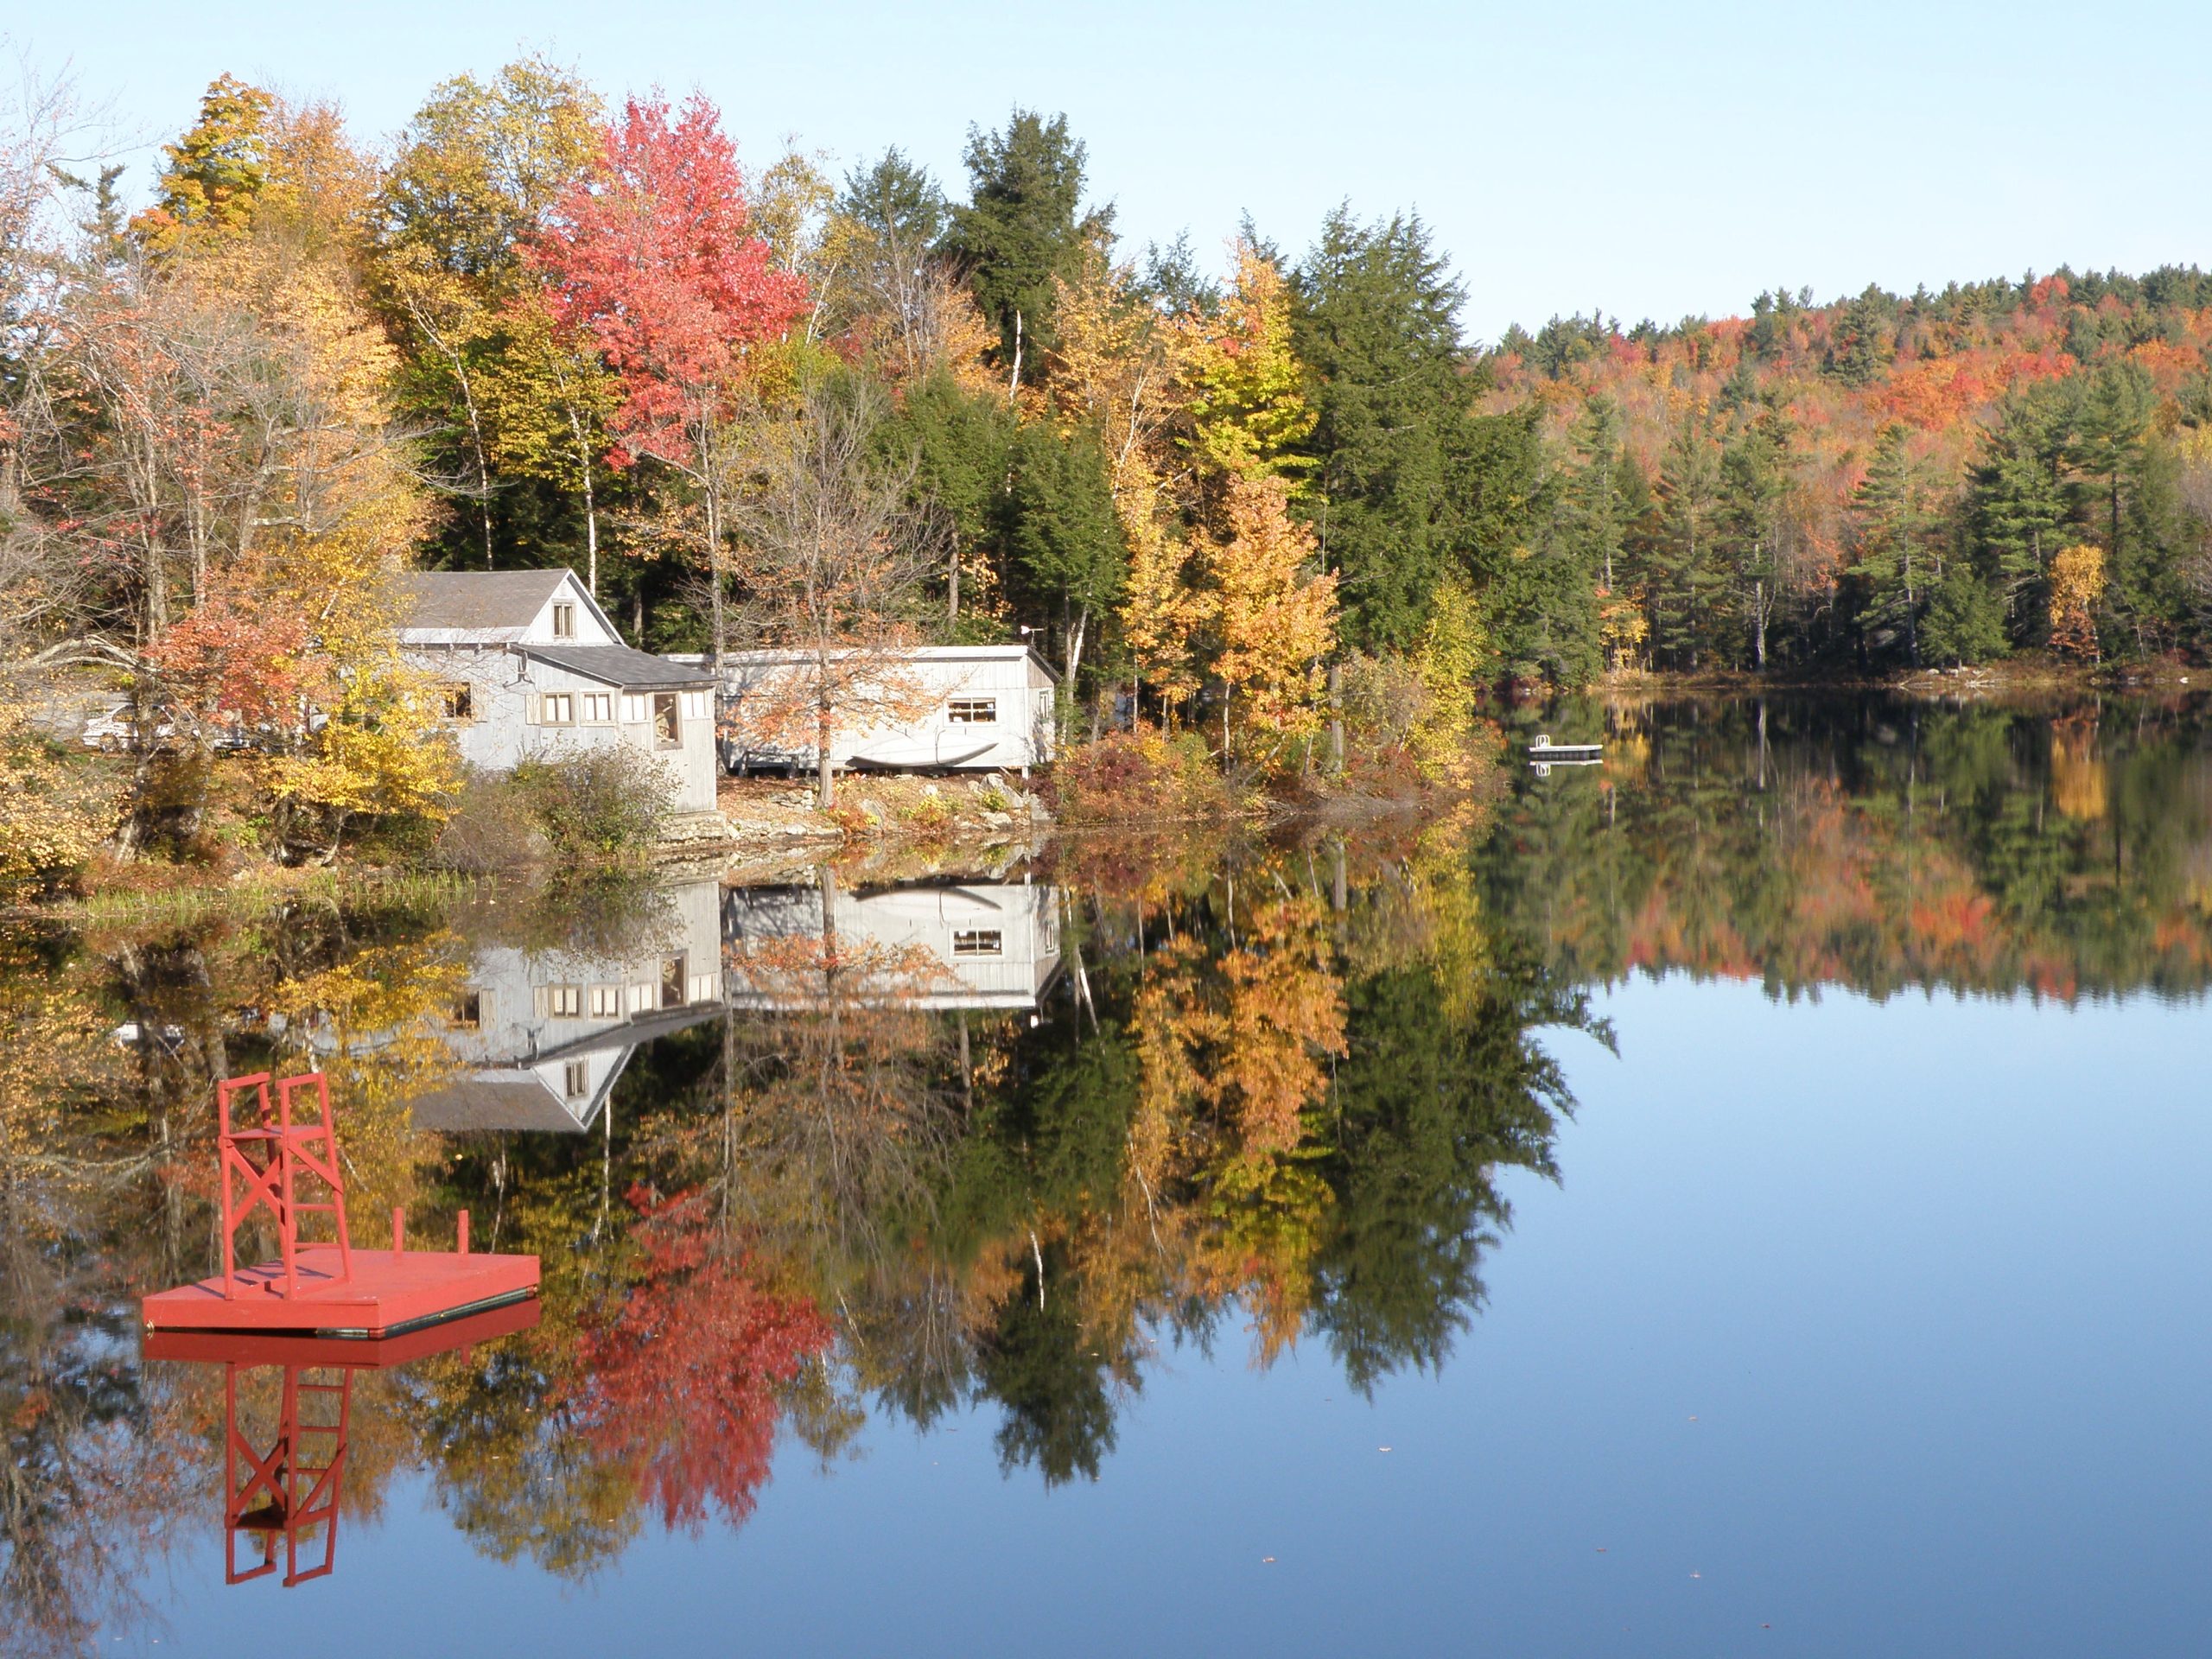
(1545, 753)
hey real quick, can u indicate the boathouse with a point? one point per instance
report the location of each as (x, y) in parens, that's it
(962, 708)
(528, 666)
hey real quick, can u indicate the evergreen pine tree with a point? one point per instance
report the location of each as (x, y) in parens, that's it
(1893, 524)
(1376, 321)
(1023, 225)
(1689, 577)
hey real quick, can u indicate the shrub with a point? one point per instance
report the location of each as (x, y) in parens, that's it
(1132, 776)
(931, 814)
(492, 827)
(603, 804)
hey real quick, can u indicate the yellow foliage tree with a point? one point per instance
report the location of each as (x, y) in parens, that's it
(2077, 587)
(1450, 656)
(1277, 618)
(1165, 614)
(1243, 385)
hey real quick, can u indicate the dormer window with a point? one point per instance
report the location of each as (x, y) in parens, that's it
(564, 621)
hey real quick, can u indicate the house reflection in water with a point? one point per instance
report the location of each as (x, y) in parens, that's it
(946, 945)
(542, 1035)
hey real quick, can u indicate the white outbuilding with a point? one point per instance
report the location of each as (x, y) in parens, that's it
(528, 666)
(964, 708)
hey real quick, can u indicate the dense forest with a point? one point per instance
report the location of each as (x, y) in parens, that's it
(1880, 481)
(868, 407)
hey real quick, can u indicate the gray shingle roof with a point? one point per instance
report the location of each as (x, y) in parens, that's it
(517, 1101)
(617, 665)
(478, 599)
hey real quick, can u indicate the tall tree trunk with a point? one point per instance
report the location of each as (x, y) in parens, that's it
(591, 507)
(1336, 721)
(720, 644)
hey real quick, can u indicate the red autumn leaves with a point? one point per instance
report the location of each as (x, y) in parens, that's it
(651, 260)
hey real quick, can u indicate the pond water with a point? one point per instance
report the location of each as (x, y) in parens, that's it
(1743, 1197)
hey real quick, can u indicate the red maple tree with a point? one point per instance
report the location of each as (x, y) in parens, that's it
(650, 258)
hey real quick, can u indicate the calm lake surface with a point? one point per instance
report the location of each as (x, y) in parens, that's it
(1745, 1197)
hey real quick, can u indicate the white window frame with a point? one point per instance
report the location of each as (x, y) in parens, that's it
(605, 1002)
(466, 689)
(978, 942)
(696, 707)
(637, 709)
(564, 620)
(972, 711)
(566, 703)
(598, 707)
(560, 1002)
(575, 1079)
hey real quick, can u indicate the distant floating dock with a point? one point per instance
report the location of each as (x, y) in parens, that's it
(327, 1288)
(1544, 754)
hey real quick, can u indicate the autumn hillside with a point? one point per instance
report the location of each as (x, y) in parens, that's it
(1881, 480)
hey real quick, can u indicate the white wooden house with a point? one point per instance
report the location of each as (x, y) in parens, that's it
(528, 666)
(986, 707)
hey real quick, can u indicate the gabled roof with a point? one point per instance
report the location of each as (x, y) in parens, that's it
(616, 665)
(502, 602)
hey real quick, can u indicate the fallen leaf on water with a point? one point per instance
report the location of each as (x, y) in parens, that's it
(1382, 1448)
(1266, 1560)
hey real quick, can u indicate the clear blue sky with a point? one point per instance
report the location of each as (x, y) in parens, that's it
(1647, 160)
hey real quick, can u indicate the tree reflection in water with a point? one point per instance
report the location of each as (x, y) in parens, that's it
(909, 1160)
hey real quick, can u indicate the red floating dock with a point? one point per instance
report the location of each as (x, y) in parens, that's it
(270, 1165)
(387, 1292)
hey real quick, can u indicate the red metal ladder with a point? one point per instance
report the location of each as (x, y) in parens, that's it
(265, 1166)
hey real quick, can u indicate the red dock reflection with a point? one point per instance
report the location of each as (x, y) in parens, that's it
(286, 1487)
(283, 1163)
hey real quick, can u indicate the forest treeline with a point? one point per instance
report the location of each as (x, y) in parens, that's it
(862, 408)
(1878, 482)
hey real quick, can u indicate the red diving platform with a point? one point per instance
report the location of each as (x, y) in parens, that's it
(286, 1163)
